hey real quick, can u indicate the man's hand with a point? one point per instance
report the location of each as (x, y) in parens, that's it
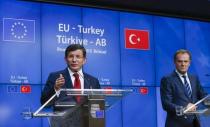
(193, 107)
(59, 82)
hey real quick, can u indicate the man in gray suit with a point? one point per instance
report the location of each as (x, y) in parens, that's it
(180, 89)
(71, 77)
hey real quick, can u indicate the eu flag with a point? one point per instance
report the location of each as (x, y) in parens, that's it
(12, 89)
(18, 30)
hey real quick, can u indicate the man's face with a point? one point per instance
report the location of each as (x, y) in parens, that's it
(182, 62)
(75, 60)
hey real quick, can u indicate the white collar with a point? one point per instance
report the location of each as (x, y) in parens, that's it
(180, 75)
(71, 72)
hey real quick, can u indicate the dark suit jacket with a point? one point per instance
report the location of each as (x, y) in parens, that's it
(75, 118)
(173, 94)
(48, 91)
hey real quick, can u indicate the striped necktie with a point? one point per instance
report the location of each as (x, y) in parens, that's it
(187, 86)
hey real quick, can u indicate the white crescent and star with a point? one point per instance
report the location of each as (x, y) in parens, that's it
(131, 39)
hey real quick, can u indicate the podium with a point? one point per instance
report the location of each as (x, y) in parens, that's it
(202, 112)
(88, 112)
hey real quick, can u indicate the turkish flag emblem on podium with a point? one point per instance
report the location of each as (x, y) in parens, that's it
(25, 89)
(137, 39)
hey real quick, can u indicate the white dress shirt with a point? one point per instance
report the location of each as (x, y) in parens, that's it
(81, 77)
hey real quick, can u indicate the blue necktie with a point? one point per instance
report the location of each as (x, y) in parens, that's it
(187, 86)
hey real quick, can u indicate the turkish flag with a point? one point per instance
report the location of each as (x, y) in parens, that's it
(25, 89)
(136, 39)
(143, 90)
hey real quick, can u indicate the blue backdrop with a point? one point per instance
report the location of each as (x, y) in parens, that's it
(34, 36)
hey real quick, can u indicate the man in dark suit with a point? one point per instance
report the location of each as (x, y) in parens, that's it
(181, 89)
(71, 77)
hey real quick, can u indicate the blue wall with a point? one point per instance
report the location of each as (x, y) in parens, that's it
(32, 42)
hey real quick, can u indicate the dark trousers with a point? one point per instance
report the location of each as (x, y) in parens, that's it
(196, 123)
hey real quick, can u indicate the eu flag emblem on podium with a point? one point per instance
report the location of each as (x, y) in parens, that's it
(100, 114)
(18, 30)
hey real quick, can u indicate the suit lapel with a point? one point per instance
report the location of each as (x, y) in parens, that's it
(86, 81)
(68, 81)
(181, 85)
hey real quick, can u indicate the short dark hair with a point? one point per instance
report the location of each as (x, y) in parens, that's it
(182, 51)
(74, 47)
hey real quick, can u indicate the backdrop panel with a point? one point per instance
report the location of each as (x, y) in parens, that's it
(137, 49)
(20, 42)
(102, 45)
(197, 41)
(14, 101)
(139, 108)
(59, 29)
(169, 37)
